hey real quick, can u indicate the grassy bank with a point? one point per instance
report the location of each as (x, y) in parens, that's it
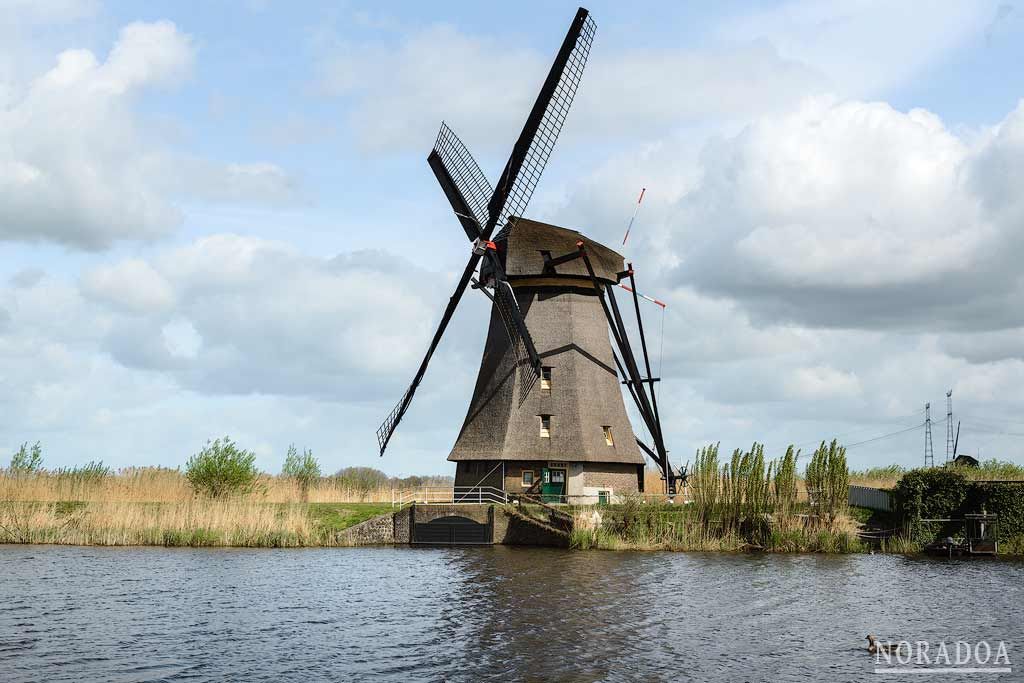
(682, 528)
(196, 522)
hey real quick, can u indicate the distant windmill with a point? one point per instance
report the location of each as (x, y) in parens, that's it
(552, 308)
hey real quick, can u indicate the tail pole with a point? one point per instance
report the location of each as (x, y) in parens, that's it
(644, 296)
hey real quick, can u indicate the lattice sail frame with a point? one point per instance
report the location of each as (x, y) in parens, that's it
(387, 427)
(504, 300)
(465, 172)
(543, 142)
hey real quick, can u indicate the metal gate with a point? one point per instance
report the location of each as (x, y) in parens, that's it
(452, 530)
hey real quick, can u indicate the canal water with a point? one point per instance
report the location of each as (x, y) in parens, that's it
(496, 613)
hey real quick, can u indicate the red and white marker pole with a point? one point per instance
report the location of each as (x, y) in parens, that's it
(635, 209)
(644, 296)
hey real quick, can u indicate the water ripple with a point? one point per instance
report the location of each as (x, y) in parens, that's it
(156, 614)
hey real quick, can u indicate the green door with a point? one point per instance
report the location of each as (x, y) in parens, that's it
(552, 487)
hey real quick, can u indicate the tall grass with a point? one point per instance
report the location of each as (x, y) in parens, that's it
(643, 525)
(199, 522)
(162, 485)
(828, 480)
(746, 502)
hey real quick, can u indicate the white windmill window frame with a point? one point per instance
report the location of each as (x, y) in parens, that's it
(609, 438)
(545, 426)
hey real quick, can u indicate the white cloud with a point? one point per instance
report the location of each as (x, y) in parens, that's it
(864, 47)
(821, 382)
(47, 11)
(485, 88)
(132, 285)
(231, 314)
(228, 334)
(856, 214)
(77, 166)
(73, 168)
(752, 64)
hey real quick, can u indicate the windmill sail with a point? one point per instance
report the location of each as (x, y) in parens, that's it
(461, 179)
(536, 142)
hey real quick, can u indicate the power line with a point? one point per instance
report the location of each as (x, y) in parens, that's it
(1001, 422)
(901, 418)
(975, 428)
(886, 436)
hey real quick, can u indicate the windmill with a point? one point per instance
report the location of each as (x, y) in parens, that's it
(558, 281)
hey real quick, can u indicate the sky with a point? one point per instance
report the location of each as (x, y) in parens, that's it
(217, 219)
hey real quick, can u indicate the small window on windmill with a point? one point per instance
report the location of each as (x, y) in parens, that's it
(545, 378)
(527, 478)
(545, 426)
(608, 435)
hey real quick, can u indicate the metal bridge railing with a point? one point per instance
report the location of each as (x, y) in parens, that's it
(448, 495)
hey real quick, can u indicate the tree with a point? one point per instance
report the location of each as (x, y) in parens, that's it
(304, 469)
(361, 479)
(222, 469)
(27, 460)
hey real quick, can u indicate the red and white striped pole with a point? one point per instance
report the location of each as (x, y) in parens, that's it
(635, 209)
(644, 296)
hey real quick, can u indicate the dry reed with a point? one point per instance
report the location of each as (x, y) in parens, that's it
(161, 485)
(197, 522)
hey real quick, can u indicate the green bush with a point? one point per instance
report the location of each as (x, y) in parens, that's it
(27, 460)
(304, 469)
(930, 493)
(946, 493)
(222, 469)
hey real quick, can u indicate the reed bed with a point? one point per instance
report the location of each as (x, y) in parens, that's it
(746, 502)
(680, 528)
(194, 523)
(162, 485)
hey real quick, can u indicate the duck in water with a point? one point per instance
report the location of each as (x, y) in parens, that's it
(874, 646)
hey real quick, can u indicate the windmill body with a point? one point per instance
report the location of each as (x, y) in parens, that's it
(567, 430)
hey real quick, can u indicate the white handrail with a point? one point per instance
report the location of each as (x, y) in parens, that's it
(437, 495)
